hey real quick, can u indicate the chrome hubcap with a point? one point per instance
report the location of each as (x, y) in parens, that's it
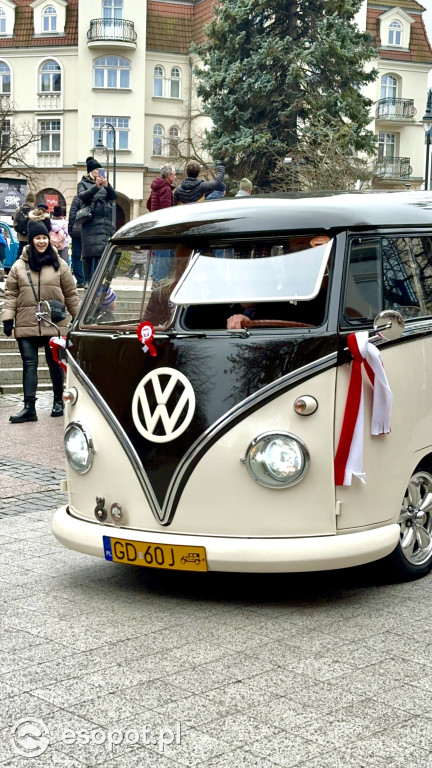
(415, 519)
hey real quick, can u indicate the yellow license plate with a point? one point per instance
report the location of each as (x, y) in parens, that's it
(176, 557)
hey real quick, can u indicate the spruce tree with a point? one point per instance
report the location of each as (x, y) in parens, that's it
(276, 69)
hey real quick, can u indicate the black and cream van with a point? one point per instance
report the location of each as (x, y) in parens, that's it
(203, 414)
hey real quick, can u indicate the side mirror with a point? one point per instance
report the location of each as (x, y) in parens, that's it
(389, 324)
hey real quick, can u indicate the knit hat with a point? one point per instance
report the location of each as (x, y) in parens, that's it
(35, 228)
(92, 164)
(58, 211)
(42, 205)
(30, 197)
(110, 297)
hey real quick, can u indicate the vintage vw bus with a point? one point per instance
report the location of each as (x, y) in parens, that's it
(211, 445)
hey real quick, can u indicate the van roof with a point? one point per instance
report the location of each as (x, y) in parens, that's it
(268, 214)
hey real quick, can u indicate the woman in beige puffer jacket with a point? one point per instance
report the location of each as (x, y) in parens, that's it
(51, 279)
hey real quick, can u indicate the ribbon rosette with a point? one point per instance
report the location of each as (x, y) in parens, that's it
(145, 333)
(56, 344)
(349, 454)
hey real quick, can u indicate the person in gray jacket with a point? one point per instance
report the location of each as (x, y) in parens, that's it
(94, 190)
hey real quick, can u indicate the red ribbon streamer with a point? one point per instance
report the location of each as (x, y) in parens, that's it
(56, 344)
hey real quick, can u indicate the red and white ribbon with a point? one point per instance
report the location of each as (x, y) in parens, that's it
(349, 454)
(56, 344)
(145, 333)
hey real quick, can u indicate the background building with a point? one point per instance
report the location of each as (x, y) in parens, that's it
(69, 67)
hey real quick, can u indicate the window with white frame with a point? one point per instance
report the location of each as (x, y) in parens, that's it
(111, 72)
(50, 135)
(50, 77)
(173, 142)
(112, 9)
(387, 145)
(158, 78)
(175, 83)
(2, 22)
(5, 133)
(395, 33)
(49, 19)
(388, 87)
(158, 134)
(121, 126)
(5, 78)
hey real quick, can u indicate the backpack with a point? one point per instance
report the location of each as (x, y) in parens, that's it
(57, 239)
(22, 219)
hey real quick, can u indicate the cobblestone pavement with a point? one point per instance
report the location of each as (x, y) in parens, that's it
(121, 667)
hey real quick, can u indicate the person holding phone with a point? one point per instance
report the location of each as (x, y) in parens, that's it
(95, 191)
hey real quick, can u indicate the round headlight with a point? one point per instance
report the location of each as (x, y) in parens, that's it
(78, 447)
(277, 459)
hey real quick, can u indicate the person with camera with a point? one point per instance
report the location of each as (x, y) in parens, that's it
(39, 275)
(95, 192)
(194, 190)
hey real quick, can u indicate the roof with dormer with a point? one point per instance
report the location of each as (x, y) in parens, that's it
(173, 26)
(420, 49)
(24, 37)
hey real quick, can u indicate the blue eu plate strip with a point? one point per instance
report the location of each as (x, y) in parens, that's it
(107, 548)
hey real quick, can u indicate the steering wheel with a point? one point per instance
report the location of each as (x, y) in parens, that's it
(246, 323)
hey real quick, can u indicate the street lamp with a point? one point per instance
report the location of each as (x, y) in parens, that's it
(100, 147)
(427, 125)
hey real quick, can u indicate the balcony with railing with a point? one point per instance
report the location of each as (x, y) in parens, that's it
(52, 102)
(393, 168)
(395, 109)
(115, 33)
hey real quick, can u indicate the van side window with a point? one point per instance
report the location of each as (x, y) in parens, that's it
(407, 275)
(364, 284)
(389, 273)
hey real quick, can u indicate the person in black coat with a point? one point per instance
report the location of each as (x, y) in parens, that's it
(94, 190)
(75, 234)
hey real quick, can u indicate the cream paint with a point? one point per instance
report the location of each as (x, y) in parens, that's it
(389, 460)
(220, 497)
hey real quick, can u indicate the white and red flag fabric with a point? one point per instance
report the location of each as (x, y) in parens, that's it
(145, 333)
(349, 455)
(56, 344)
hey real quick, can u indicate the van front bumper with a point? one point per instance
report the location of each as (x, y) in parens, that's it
(234, 554)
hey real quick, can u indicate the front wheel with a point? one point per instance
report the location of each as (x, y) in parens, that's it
(412, 557)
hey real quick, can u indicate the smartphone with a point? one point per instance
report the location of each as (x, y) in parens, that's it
(101, 172)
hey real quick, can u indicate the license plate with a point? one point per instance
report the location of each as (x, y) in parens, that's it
(176, 557)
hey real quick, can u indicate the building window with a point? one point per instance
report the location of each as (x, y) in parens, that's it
(5, 78)
(395, 33)
(50, 132)
(388, 87)
(49, 19)
(2, 22)
(158, 133)
(174, 139)
(158, 75)
(5, 131)
(111, 72)
(50, 77)
(175, 83)
(386, 144)
(112, 9)
(121, 126)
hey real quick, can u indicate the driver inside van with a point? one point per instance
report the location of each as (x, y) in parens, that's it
(253, 312)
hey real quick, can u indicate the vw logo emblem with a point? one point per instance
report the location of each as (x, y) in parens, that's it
(173, 405)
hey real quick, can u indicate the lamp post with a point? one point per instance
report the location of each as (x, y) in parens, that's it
(100, 146)
(427, 125)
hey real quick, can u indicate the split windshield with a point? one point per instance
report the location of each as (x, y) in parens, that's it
(205, 284)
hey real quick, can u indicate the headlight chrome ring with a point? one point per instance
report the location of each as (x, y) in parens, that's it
(277, 459)
(78, 447)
